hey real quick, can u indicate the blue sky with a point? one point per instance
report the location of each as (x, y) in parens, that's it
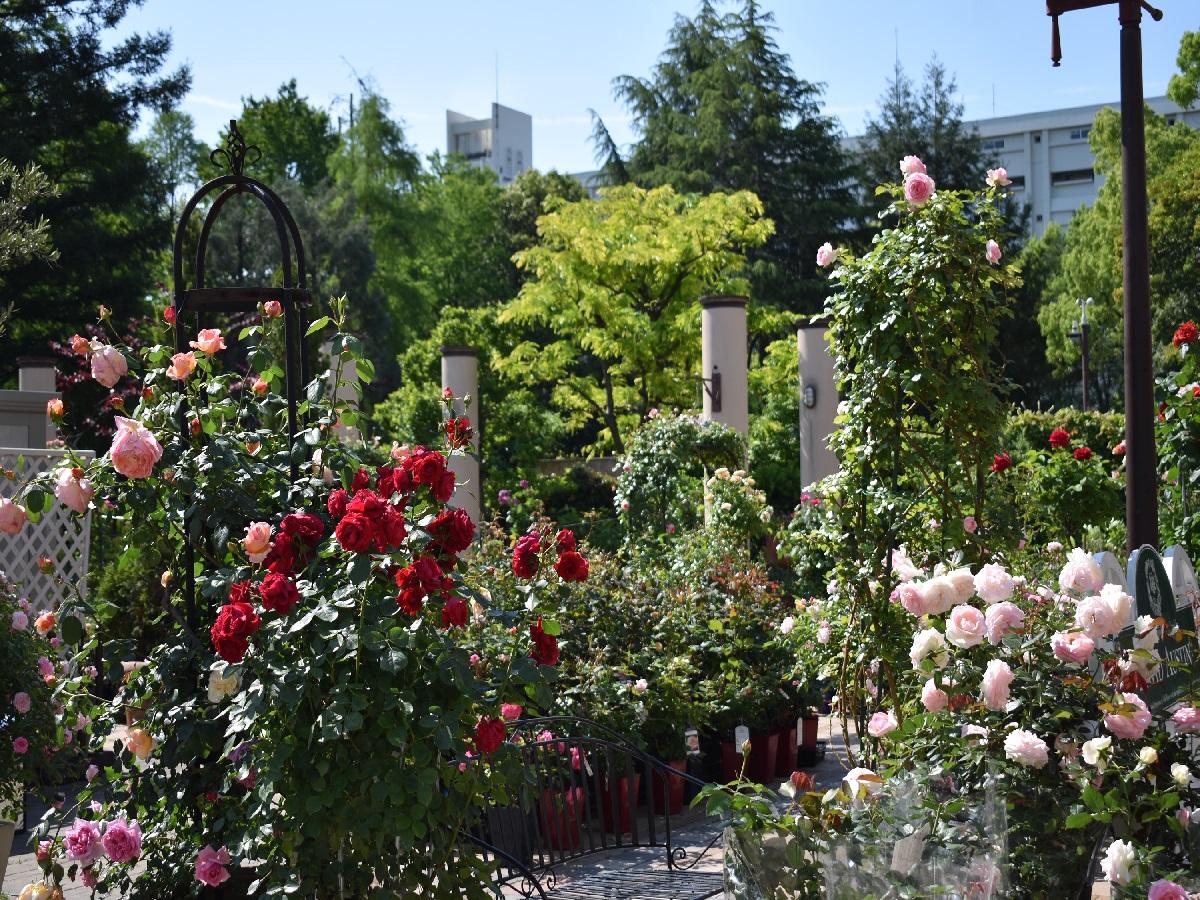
(558, 59)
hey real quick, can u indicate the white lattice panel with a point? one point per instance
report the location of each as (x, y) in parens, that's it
(61, 535)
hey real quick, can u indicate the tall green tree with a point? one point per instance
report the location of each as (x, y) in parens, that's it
(70, 96)
(176, 153)
(1185, 84)
(723, 110)
(923, 121)
(613, 290)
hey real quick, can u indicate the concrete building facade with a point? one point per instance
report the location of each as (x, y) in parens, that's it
(502, 143)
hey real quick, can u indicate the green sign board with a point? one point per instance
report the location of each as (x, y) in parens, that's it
(1155, 597)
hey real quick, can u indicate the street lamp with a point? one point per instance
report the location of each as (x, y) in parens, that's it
(1080, 336)
(1141, 485)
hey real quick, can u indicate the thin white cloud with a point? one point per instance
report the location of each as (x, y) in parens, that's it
(215, 102)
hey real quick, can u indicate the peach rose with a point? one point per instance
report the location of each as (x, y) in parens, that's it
(73, 491)
(80, 345)
(108, 365)
(208, 341)
(260, 386)
(182, 365)
(134, 450)
(44, 625)
(54, 408)
(257, 541)
(273, 309)
(139, 743)
(12, 516)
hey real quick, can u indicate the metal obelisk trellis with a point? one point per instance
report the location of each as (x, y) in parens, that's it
(202, 301)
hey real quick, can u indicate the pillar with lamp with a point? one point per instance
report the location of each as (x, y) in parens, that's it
(1080, 336)
(1141, 485)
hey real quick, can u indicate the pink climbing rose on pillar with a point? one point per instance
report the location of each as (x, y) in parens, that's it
(135, 450)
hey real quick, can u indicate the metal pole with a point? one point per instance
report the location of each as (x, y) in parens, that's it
(1141, 489)
(1083, 352)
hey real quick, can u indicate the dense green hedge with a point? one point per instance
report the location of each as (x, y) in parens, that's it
(1029, 429)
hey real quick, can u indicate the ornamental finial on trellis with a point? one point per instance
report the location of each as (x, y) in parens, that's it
(236, 155)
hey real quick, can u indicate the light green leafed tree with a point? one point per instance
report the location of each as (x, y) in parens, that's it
(1185, 84)
(613, 285)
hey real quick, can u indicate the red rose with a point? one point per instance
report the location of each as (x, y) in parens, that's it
(235, 623)
(429, 573)
(489, 734)
(390, 529)
(545, 646)
(282, 558)
(1187, 333)
(1001, 461)
(443, 488)
(458, 431)
(571, 567)
(1119, 450)
(1059, 439)
(428, 467)
(169, 315)
(367, 503)
(338, 500)
(362, 479)
(454, 613)
(564, 540)
(385, 481)
(412, 593)
(304, 525)
(355, 532)
(278, 594)
(1083, 453)
(453, 530)
(525, 562)
(241, 591)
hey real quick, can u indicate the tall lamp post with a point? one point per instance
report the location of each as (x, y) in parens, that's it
(1080, 336)
(1141, 486)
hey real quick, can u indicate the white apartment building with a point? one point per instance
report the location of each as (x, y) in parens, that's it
(502, 143)
(1048, 157)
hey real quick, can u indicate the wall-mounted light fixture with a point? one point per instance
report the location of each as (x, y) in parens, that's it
(810, 396)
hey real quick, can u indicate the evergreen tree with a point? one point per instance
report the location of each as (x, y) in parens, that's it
(70, 99)
(723, 110)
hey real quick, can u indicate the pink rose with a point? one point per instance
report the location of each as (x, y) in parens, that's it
(939, 595)
(45, 667)
(970, 526)
(209, 341)
(73, 493)
(20, 745)
(912, 165)
(1003, 618)
(1026, 748)
(134, 450)
(1129, 723)
(1081, 573)
(1187, 720)
(998, 177)
(108, 365)
(122, 840)
(82, 842)
(21, 702)
(826, 255)
(273, 309)
(1167, 890)
(918, 188)
(510, 712)
(882, 723)
(824, 633)
(1096, 618)
(88, 877)
(12, 516)
(257, 541)
(20, 621)
(92, 771)
(996, 679)
(933, 698)
(210, 864)
(1072, 646)
(966, 627)
(912, 598)
(182, 365)
(993, 583)
(993, 252)
(974, 731)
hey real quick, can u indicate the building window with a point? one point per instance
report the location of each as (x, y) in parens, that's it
(1073, 176)
(520, 161)
(1018, 182)
(1170, 120)
(1080, 134)
(993, 144)
(1037, 138)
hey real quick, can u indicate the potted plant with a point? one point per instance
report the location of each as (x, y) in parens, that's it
(670, 709)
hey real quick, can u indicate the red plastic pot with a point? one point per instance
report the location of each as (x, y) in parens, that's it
(616, 794)
(668, 789)
(785, 756)
(562, 811)
(808, 735)
(763, 750)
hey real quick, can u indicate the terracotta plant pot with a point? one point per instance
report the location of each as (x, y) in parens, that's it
(562, 811)
(616, 795)
(763, 750)
(807, 755)
(731, 761)
(668, 789)
(785, 756)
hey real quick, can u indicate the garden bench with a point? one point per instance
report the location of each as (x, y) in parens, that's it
(591, 795)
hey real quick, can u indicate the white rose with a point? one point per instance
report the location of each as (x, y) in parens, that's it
(929, 644)
(862, 778)
(1148, 756)
(1119, 602)
(1180, 774)
(1118, 862)
(993, 584)
(939, 595)
(963, 583)
(219, 688)
(1096, 618)
(1081, 573)
(786, 626)
(1094, 750)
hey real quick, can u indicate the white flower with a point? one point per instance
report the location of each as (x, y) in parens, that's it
(1180, 774)
(1081, 573)
(722, 473)
(786, 626)
(1119, 602)
(903, 567)
(1094, 752)
(1118, 862)
(1026, 748)
(1148, 756)
(993, 584)
(975, 731)
(219, 688)
(963, 583)
(929, 644)
(824, 633)
(862, 778)
(726, 507)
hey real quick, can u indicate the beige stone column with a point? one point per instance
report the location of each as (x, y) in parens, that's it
(460, 373)
(818, 401)
(723, 361)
